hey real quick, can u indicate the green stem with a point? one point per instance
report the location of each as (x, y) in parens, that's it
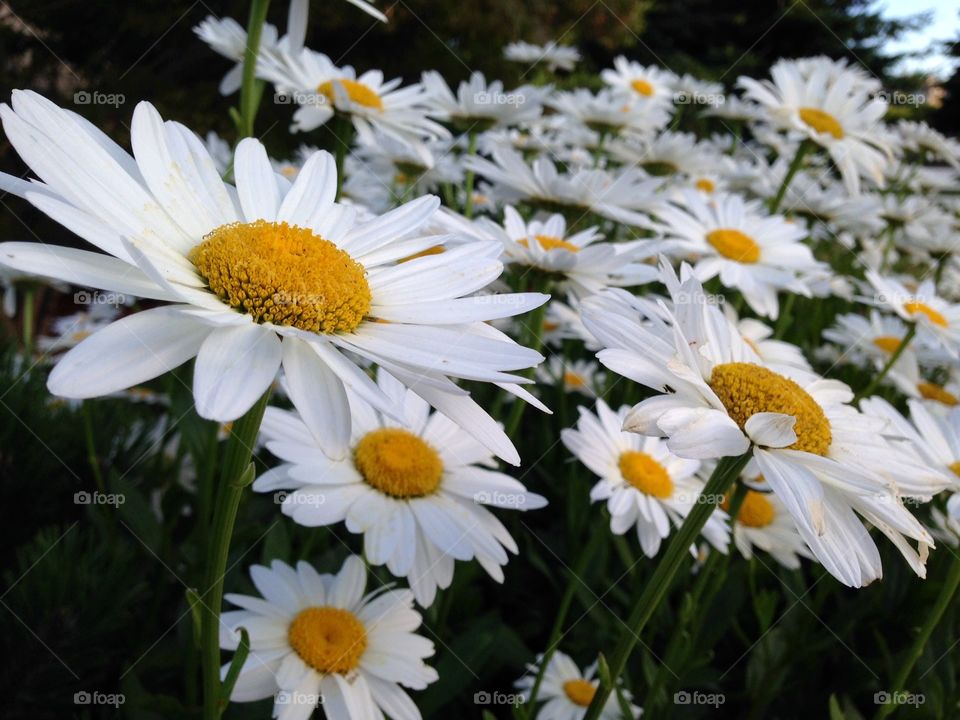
(91, 446)
(598, 152)
(343, 129)
(586, 554)
(251, 90)
(947, 592)
(471, 151)
(236, 460)
(29, 302)
(727, 470)
(890, 363)
(786, 314)
(802, 150)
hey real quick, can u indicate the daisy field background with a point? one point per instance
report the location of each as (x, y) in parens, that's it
(544, 360)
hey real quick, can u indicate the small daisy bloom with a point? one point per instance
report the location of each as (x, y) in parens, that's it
(321, 89)
(576, 376)
(937, 318)
(566, 691)
(647, 82)
(479, 105)
(255, 277)
(763, 523)
(825, 460)
(415, 490)
(585, 265)
(318, 640)
(554, 56)
(830, 108)
(644, 484)
(227, 37)
(752, 252)
(609, 111)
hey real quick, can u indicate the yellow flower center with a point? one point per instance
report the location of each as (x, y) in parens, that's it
(642, 87)
(955, 468)
(548, 242)
(328, 639)
(755, 510)
(398, 463)
(435, 250)
(734, 245)
(822, 122)
(887, 343)
(284, 275)
(705, 185)
(746, 389)
(932, 391)
(357, 92)
(573, 380)
(645, 474)
(580, 692)
(914, 308)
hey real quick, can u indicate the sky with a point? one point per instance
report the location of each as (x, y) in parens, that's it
(945, 26)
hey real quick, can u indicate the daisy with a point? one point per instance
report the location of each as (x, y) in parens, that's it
(649, 83)
(563, 322)
(828, 106)
(763, 523)
(825, 460)
(627, 196)
(226, 37)
(754, 253)
(567, 691)
(478, 105)
(316, 639)
(759, 336)
(609, 111)
(645, 486)
(576, 376)
(265, 274)
(321, 89)
(668, 153)
(584, 263)
(919, 137)
(554, 56)
(937, 318)
(415, 489)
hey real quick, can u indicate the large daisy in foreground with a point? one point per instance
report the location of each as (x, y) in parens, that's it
(257, 276)
(416, 489)
(825, 460)
(318, 640)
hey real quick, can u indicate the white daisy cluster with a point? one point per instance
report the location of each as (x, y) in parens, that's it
(768, 275)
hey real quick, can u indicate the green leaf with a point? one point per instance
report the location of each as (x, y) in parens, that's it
(236, 665)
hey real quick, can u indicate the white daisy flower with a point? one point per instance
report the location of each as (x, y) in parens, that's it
(626, 196)
(647, 82)
(554, 56)
(644, 484)
(609, 111)
(576, 376)
(919, 137)
(321, 89)
(826, 461)
(479, 105)
(936, 317)
(70, 330)
(261, 275)
(415, 489)
(585, 265)
(754, 253)
(831, 108)
(228, 38)
(317, 640)
(563, 322)
(668, 153)
(763, 523)
(566, 691)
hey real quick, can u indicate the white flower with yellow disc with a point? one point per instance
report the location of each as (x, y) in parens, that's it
(567, 691)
